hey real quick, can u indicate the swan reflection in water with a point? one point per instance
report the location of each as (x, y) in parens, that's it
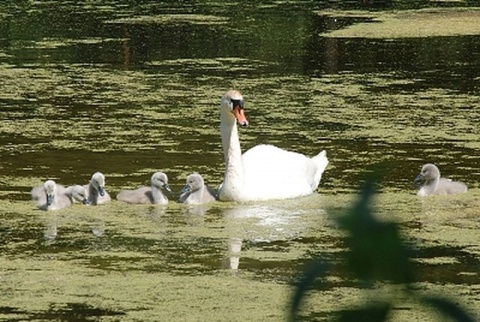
(54, 221)
(195, 212)
(232, 261)
(51, 228)
(98, 228)
(267, 223)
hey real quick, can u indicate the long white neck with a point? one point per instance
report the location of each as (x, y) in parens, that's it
(234, 174)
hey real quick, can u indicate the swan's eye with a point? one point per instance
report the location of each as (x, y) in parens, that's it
(236, 103)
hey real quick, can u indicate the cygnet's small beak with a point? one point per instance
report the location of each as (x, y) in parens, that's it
(419, 178)
(101, 191)
(186, 188)
(167, 187)
(49, 199)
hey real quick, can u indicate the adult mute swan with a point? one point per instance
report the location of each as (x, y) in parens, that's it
(432, 184)
(196, 191)
(148, 195)
(264, 172)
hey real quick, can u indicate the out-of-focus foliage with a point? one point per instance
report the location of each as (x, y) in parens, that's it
(376, 253)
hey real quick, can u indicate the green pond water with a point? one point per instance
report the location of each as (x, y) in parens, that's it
(131, 88)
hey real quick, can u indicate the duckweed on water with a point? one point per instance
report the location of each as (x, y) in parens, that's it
(153, 263)
(411, 23)
(173, 19)
(133, 108)
(56, 43)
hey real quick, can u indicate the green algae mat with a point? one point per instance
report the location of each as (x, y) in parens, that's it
(410, 23)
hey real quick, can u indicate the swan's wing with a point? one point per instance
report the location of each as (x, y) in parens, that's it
(212, 192)
(141, 195)
(63, 201)
(276, 173)
(321, 162)
(449, 187)
(38, 193)
(105, 198)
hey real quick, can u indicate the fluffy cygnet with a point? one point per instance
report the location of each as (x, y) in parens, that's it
(96, 189)
(148, 195)
(432, 184)
(77, 193)
(196, 192)
(50, 196)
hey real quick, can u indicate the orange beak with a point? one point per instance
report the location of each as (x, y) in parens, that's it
(240, 116)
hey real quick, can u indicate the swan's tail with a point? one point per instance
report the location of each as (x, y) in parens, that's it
(321, 161)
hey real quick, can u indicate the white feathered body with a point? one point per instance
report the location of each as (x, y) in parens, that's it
(273, 173)
(264, 172)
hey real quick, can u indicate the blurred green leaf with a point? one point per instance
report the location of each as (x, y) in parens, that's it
(376, 249)
(376, 252)
(448, 308)
(312, 271)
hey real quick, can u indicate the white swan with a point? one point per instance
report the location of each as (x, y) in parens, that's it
(265, 171)
(96, 189)
(50, 196)
(148, 195)
(196, 192)
(433, 184)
